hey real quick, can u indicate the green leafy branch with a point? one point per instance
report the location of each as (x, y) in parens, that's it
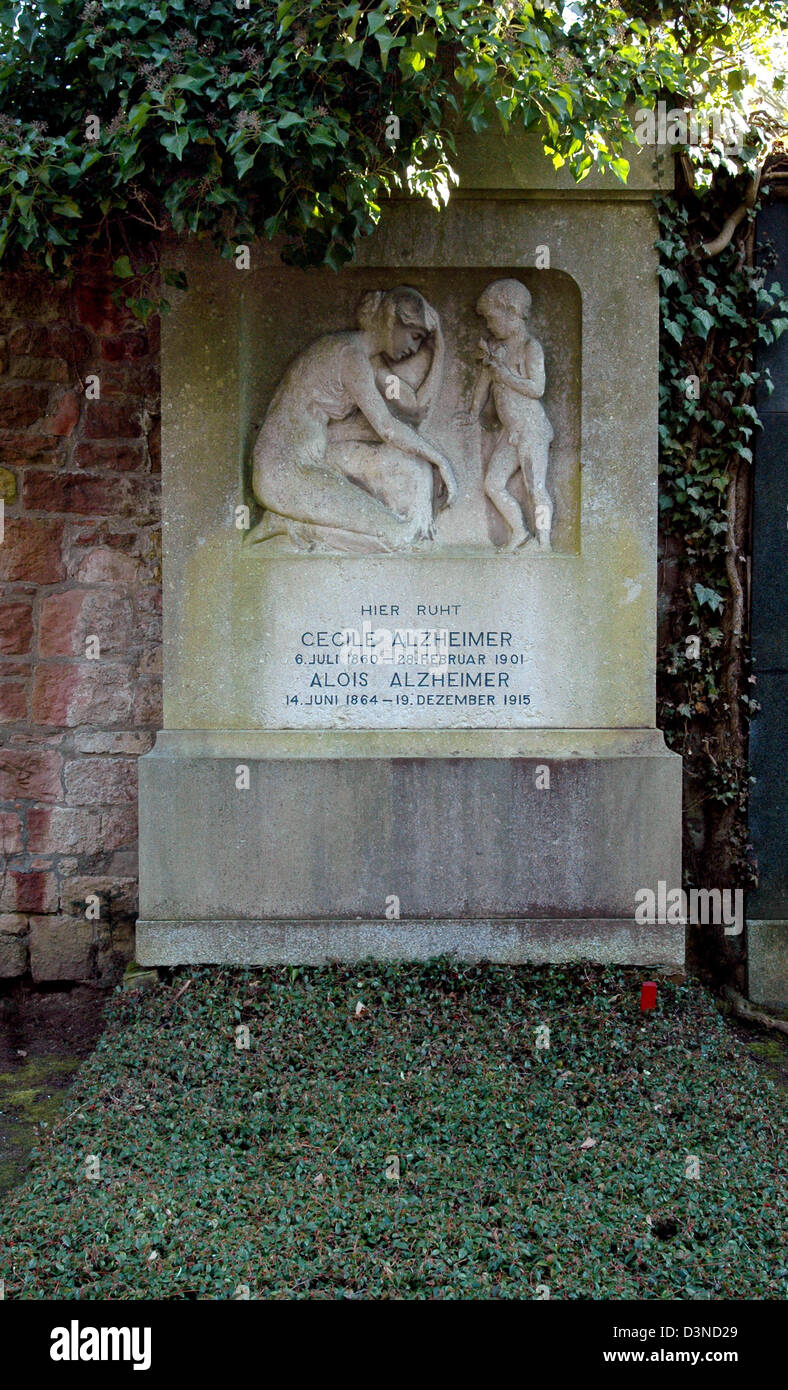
(295, 121)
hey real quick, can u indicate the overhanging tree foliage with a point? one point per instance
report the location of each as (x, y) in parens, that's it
(294, 120)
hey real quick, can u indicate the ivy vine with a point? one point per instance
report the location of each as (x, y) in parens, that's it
(716, 313)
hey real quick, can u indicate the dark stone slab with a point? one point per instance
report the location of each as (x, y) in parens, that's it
(773, 227)
(770, 548)
(769, 802)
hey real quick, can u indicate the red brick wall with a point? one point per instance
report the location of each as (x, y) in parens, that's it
(79, 560)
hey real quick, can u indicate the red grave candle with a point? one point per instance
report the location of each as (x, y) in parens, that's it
(648, 996)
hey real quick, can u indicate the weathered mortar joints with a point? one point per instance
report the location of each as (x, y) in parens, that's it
(79, 573)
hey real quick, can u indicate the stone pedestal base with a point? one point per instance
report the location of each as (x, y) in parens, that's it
(258, 848)
(767, 963)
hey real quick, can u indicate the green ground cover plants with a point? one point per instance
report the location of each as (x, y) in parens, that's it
(521, 1168)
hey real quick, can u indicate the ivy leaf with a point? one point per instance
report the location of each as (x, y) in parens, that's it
(387, 41)
(244, 159)
(709, 597)
(353, 53)
(706, 321)
(122, 268)
(176, 142)
(375, 20)
(191, 82)
(54, 236)
(412, 58)
(177, 278)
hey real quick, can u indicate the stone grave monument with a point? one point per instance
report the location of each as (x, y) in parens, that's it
(409, 521)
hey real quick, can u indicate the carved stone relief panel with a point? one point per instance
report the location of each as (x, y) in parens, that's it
(437, 416)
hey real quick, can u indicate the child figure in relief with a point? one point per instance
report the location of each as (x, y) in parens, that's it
(512, 368)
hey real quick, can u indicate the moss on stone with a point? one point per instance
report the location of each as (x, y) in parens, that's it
(30, 1096)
